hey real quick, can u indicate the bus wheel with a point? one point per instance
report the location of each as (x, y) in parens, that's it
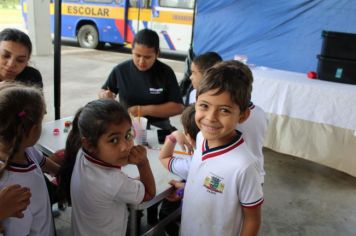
(88, 37)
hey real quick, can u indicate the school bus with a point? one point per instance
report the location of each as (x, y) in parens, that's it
(96, 22)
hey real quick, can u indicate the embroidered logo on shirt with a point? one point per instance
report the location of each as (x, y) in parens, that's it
(214, 184)
(156, 90)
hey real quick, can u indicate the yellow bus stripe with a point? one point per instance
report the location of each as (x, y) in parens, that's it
(164, 16)
(118, 13)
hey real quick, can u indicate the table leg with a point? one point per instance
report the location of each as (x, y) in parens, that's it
(134, 222)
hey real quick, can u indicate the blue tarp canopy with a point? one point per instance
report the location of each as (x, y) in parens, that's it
(280, 34)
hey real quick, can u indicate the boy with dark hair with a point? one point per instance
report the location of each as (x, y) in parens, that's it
(199, 66)
(223, 182)
(254, 129)
(167, 154)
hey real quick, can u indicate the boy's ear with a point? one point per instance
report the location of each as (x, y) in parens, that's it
(244, 115)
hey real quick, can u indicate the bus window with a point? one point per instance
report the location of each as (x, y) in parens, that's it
(99, 1)
(140, 3)
(189, 4)
(96, 22)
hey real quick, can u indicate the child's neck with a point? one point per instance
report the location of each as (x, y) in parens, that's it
(213, 143)
(19, 157)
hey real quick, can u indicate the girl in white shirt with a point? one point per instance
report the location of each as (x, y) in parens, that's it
(22, 109)
(99, 144)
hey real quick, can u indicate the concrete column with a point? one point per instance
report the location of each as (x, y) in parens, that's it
(39, 26)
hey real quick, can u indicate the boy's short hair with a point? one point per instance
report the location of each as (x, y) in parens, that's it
(233, 77)
(188, 121)
(206, 60)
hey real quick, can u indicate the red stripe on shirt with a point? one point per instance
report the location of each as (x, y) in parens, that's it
(222, 151)
(100, 162)
(253, 205)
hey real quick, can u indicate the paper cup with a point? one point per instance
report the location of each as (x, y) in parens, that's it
(140, 126)
(141, 137)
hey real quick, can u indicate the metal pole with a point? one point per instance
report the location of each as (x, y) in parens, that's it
(57, 58)
(138, 16)
(192, 35)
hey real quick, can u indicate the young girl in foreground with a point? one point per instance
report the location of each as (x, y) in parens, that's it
(99, 144)
(22, 109)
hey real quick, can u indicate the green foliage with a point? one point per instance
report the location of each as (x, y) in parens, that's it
(10, 15)
(10, 4)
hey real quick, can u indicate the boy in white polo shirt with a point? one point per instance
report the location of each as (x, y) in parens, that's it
(223, 193)
(254, 131)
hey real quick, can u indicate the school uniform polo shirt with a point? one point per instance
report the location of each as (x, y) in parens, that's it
(37, 218)
(254, 131)
(221, 181)
(100, 193)
(155, 86)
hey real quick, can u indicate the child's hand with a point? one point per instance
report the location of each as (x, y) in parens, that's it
(138, 155)
(173, 196)
(183, 142)
(107, 94)
(14, 199)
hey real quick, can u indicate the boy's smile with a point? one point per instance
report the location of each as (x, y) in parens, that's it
(217, 117)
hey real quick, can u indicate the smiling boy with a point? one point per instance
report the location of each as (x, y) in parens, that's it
(223, 193)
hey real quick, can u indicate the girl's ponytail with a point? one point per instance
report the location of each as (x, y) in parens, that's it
(21, 107)
(73, 144)
(12, 144)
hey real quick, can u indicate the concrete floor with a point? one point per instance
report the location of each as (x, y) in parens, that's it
(301, 197)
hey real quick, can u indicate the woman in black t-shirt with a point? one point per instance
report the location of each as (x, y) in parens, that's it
(145, 84)
(15, 52)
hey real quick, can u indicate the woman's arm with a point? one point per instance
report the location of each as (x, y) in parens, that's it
(163, 110)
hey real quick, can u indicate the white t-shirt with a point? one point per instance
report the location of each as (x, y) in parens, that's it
(220, 182)
(99, 194)
(192, 96)
(254, 131)
(183, 164)
(37, 218)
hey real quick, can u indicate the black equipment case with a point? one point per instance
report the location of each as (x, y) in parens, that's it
(337, 61)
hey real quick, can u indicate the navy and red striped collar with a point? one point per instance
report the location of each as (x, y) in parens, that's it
(251, 105)
(217, 151)
(15, 167)
(99, 162)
